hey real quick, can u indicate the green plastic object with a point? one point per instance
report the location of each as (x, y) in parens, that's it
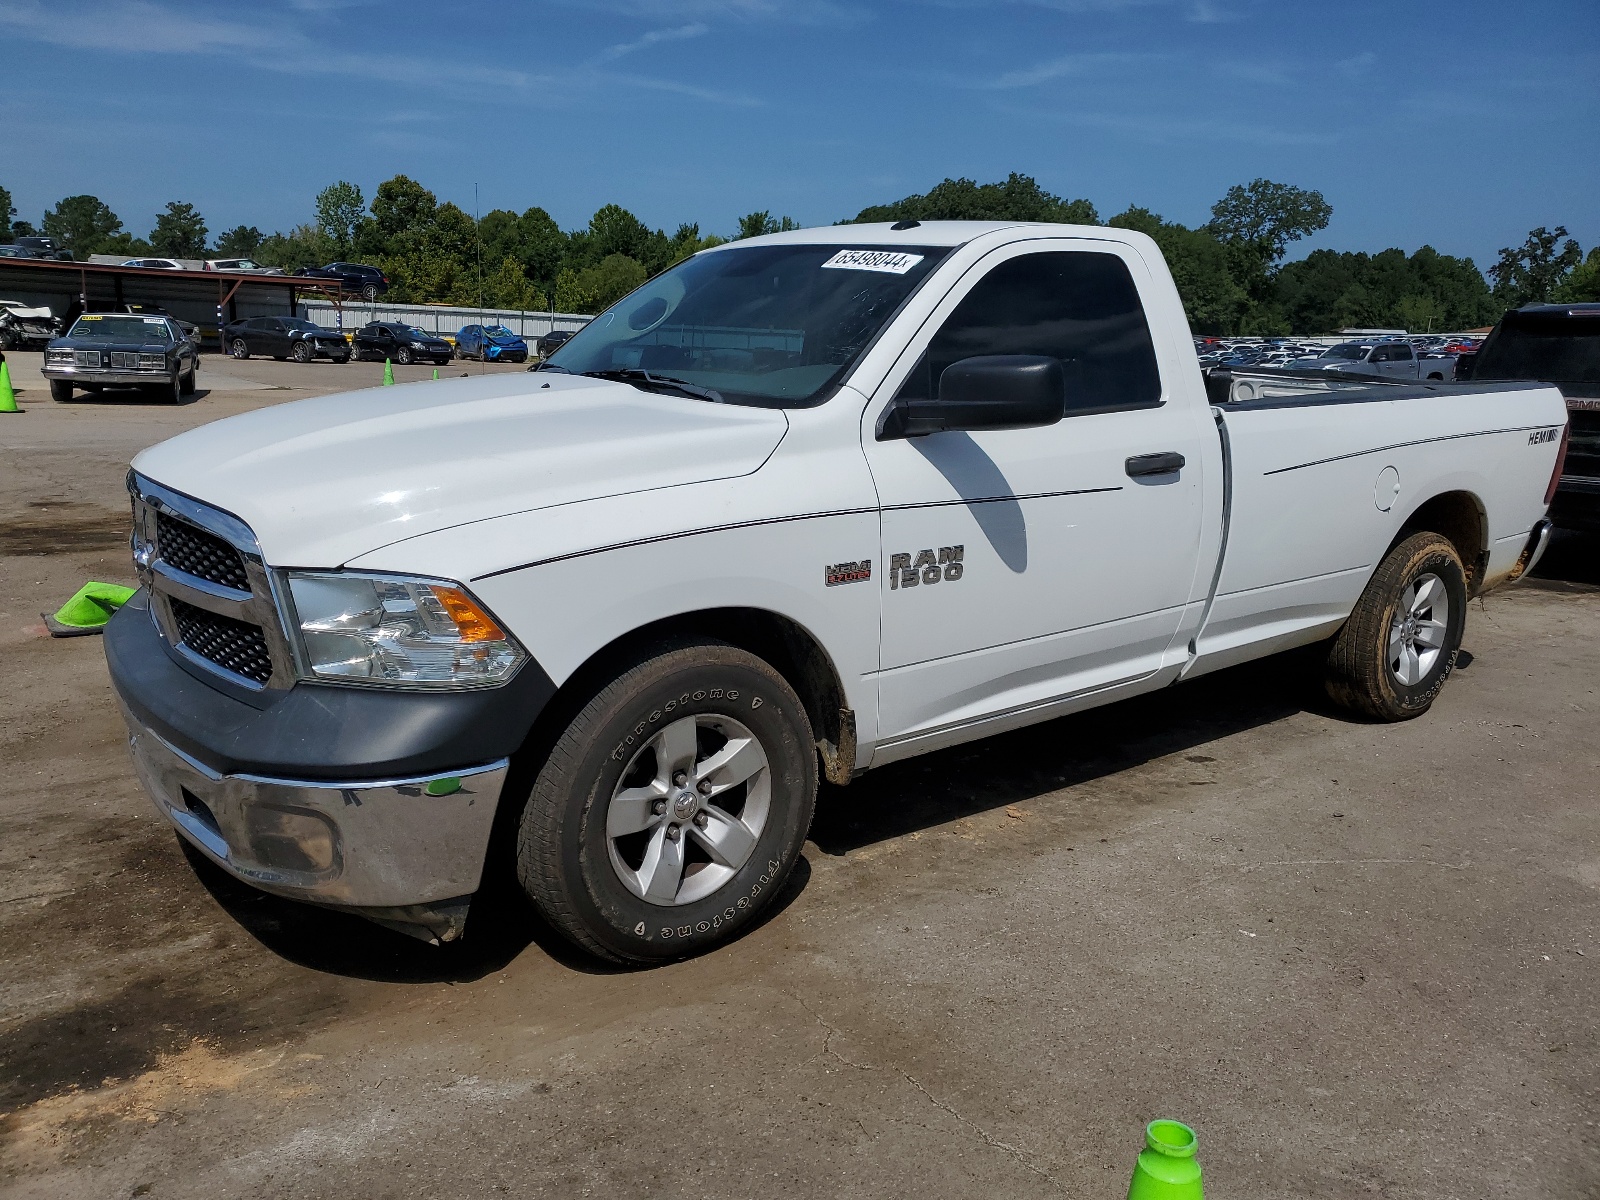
(88, 611)
(1166, 1169)
(388, 372)
(8, 395)
(443, 787)
(436, 372)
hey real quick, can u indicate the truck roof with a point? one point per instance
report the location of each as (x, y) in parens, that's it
(922, 233)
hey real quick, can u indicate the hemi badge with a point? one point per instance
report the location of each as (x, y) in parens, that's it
(847, 572)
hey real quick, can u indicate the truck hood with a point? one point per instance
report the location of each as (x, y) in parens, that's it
(326, 480)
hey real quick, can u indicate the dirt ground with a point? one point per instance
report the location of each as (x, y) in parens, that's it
(1359, 959)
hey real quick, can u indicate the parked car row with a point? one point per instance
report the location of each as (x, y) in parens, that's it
(1419, 356)
(304, 341)
(34, 247)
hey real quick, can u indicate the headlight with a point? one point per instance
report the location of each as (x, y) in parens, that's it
(419, 345)
(152, 360)
(60, 356)
(384, 630)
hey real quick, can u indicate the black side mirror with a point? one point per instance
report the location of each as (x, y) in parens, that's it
(991, 391)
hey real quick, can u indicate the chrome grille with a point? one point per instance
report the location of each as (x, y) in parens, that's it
(191, 549)
(211, 596)
(86, 358)
(124, 358)
(235, 646)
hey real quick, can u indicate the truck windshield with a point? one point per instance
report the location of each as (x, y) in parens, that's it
(120, 329)
(770, 326)
(1554, 348)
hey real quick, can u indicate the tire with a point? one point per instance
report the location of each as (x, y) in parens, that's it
(239, 349)
(1399, 646)
(341, 359)
(588, 856)
(403, 356)
(302, 352)
(170, 392)
(187, 383)
(61, 390)
(369, 293)
(355, 353)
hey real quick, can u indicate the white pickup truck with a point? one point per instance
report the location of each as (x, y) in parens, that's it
(801, 505)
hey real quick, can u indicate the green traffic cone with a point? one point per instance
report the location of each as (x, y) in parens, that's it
(1166, 1169)
(8, 396)
(388, 372)
(88, 611)
(436, 372)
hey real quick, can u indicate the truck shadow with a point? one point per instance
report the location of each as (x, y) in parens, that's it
(1572, 562)
(944, 786)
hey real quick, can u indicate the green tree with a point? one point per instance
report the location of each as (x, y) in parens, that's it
(302, 246)
(1583, 284)
(507, 286)
(401, 205)
(1018, 198)
(341, 209)
(1267, 216)
(7, 211)
(1213, 300)
(1530, 273)
(758, 223)
(82, 224)
(1330, 290)
(180, 232)
(594, 289)
(242, 241)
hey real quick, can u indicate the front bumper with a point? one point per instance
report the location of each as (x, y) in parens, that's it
(407, 852)
(127, 376)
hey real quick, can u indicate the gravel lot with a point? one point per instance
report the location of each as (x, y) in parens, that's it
(1359, 959)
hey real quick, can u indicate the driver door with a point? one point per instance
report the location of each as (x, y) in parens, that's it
(1026, 566)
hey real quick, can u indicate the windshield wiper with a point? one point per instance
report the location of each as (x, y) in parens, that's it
(642, 378)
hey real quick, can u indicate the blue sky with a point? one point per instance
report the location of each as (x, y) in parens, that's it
(1458, 124)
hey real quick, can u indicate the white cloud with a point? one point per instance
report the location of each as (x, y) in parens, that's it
(652, 38)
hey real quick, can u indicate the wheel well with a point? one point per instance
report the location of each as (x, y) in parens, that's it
(787, 646)
(1458, 517)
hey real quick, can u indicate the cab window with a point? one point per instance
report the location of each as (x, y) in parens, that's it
(1080, 307)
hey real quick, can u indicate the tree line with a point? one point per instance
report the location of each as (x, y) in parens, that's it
(1230, 271)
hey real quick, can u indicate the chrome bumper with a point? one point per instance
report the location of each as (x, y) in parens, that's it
(406, 852)
(128, 375)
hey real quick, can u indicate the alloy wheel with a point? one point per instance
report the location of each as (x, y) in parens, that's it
(689, 809)
(1418, 631)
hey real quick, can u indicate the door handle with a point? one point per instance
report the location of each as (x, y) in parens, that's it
(1155, 464)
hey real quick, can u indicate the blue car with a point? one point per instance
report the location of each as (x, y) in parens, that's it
(491, 343)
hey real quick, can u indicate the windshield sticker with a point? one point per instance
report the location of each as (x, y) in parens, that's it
(890, 262)
(89, 317)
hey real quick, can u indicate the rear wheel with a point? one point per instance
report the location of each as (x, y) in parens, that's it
(1399, 646)
(369, 293)
(239, 349)
(302, 352)
(673, 806)
(61, 389)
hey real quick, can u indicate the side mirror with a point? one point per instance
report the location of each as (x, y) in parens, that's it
(990, 391)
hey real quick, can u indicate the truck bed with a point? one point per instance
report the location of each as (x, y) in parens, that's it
(1317, 493)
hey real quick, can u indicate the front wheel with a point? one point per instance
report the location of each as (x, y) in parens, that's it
(190, 381)
(403, 356)
(61, 389)
(302, 352)
(239, 349)
(673, 807)
(1399, 646)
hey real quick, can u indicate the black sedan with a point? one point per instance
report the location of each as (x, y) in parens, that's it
(284, 337)
(402, 343)
(104, 350)
(553, 341)
(367, 282)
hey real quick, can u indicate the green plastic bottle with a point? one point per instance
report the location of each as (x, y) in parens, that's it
(1166, 1169)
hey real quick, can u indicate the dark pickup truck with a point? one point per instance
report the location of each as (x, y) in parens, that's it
(1559, 344)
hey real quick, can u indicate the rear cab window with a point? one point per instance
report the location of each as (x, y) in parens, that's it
(1080, 307)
